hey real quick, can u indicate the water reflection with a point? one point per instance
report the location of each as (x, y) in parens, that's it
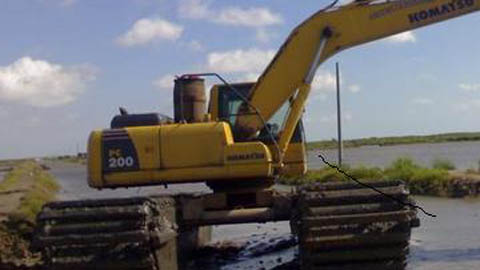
(464, 155)
(422, 254)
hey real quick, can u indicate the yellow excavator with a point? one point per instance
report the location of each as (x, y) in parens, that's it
(249, 135)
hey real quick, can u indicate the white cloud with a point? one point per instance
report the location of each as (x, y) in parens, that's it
(251, 17)
(40, 83)
(354, 88)
(165, 82)
(247, 66)
(404, 37)
(250, 77)
(248, 61)
(472, 87)
(263, 35)
(248, 17)
(422, 101)
(323, 82)
(194, 9)
(146, 30)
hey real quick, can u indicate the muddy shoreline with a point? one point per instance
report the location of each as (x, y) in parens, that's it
(464, 185)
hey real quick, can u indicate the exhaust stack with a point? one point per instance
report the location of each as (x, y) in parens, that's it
(189, 99)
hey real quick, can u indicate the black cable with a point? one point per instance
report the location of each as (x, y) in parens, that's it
(331, 5)
(408, 204)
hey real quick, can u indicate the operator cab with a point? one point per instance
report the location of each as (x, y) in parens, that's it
(224, 105)
(228, 109)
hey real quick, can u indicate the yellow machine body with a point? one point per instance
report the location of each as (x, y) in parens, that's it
(174, 153)
(294, 159)
(238, 143)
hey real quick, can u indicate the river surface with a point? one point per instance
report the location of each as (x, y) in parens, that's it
(73, 179)
(450, 241)
(465, 155)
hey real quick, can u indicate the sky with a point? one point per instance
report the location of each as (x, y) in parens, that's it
(67, 65)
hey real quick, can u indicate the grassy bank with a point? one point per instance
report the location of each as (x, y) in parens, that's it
(69, 159)
(43, 190)
(384, 141)
(439, 180)
(12, 162)
(24, 190)
(37, 184)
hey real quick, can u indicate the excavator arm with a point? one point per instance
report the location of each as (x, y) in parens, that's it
(290, 74)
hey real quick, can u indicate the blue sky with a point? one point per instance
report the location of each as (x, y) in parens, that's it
(66, 66)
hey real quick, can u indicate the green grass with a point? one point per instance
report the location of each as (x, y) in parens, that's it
(12, 162)
(41, 187)
(330, 174)
(421, 180)
(12, 177)
(384, 141)
(444, 164)
(43, 191)
(16, 232)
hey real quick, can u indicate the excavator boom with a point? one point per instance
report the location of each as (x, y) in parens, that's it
(327, 32)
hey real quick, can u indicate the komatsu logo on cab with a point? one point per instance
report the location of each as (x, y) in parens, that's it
(440, 10)
(246, 156)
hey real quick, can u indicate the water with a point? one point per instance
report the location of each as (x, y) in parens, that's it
(450, 241)
(464, 155)
(73, 179)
